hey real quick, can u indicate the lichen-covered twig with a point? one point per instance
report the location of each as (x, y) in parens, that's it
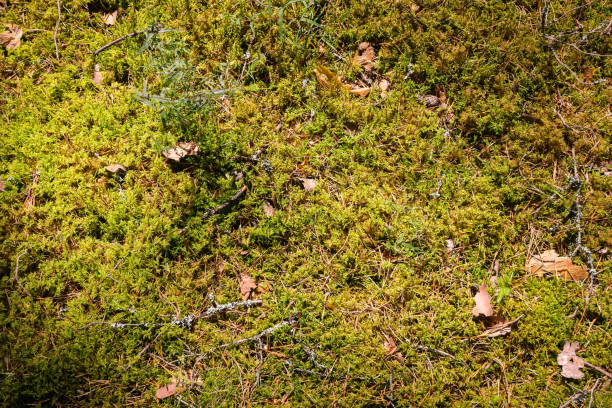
(260, 335)
(580, 247)
(186, 322)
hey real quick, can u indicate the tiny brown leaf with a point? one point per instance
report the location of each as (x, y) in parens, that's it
(247, 286)
(365, 56)
(549, 262)
(2, 185)
(570, 362)
(97, 75)
(308, 183)
(483, 303)
(391, 347)
(115, 168)
(182, 149)
(11, 38)
(110, 18)
(268, 208)
(169, 390)
(498, 326)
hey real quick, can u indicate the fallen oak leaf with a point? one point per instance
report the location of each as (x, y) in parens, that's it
(11, 38)
(560, 266)
(483, 303)
(247, 286)
(182, 149)
(570, 362)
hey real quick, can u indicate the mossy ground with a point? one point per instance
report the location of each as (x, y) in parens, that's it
(362, 255)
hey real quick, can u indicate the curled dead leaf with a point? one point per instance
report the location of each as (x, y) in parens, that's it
(11, 39)
(549, 262)
(97, 75)
(110, 18)
(391, 347)
(308, 183)
(383, 85)
(115, 168)
(169, 390)
(430, 101)
(483, 303)
(359, 91)
(570, 362)
(365, 56)
(247, 286)
(182, 149)
(268, 208)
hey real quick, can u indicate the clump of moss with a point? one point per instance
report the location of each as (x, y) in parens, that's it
(363, 255)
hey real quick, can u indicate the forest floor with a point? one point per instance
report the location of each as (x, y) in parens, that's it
(306, 203)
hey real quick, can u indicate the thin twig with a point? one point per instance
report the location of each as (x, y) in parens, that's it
(601, 370)
(260, 335)
(17, 271)
(118, 40)
(236, 196)
(186, 322)
(59, 19)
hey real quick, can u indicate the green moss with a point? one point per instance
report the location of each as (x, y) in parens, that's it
(362, 255)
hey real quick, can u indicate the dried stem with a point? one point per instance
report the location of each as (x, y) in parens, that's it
(260, 335)
(57, 25)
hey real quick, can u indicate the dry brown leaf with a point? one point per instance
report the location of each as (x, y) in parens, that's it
(2, 185)
(561, 266)
(97, 75)
(430, 101)
(365, 56)
(391, 347)
(308, 183)
(11, 38)
(570, 362)
(356, 90)
(115, 168)
(498, 326)
(414, 7)
(384, 85)
(110, 18)
(169, 390)
(182, 149)
(247, 286)
(483, 303)
(268, 208)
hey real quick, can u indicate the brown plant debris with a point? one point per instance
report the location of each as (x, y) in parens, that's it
(110, 18)
(115, 168)
(268, 208)
(248, 286)
(365, 56)
(483, 303)
(549, 262)
(11, 39)
(97, 75)
(570, 362)
(391, 347)
(182, 149)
